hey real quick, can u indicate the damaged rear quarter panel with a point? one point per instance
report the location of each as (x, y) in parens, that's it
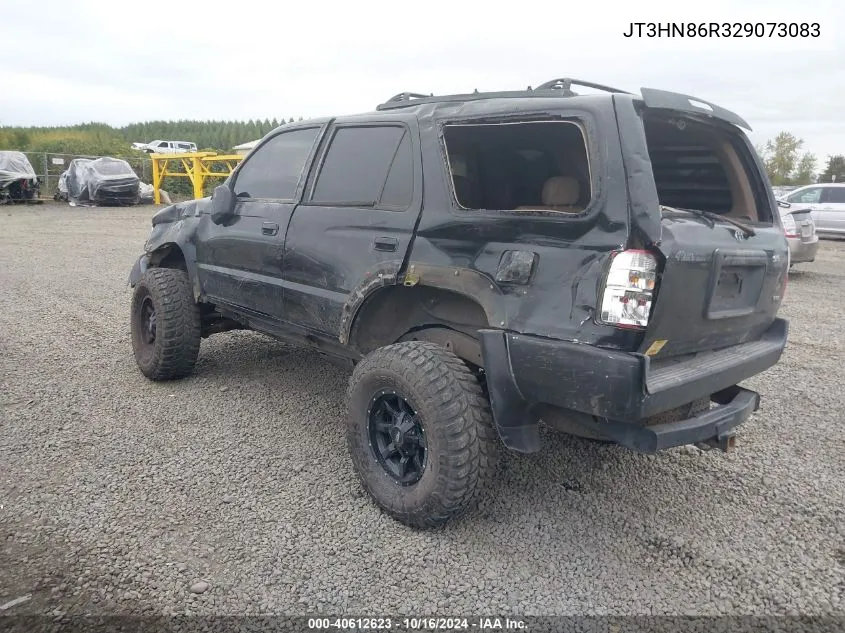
(572, 252)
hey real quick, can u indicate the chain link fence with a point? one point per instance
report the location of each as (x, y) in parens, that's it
(49, 167)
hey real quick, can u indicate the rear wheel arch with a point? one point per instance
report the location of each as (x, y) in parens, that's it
(441, 409)
(398, 313)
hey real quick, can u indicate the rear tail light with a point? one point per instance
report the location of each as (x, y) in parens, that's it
(790, 228)
(629, 289)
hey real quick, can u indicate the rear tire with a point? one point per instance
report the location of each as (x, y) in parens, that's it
(165, 322)
(419, 403)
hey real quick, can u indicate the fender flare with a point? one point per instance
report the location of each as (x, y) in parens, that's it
(464, 281)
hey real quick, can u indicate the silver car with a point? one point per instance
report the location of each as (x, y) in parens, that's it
(800, 231)
(826, 202)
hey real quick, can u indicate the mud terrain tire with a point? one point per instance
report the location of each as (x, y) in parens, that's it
(441, 401)
(165, 324)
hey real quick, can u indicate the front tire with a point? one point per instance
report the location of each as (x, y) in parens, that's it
(165, 323)
(419, 433)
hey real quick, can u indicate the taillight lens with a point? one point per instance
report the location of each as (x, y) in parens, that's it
(629, 289)
(789, 226)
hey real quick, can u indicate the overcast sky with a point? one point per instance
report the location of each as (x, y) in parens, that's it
(90, 60)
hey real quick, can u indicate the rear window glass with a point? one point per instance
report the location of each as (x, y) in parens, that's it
(521, 166)
(690, 176)
(699, 166)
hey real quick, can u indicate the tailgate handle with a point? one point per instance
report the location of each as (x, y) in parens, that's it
(385, 243)
(269, 228)
(744, 259)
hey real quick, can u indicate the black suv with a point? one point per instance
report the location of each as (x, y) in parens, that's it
(609, 264)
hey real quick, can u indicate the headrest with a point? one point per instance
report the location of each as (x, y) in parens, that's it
(459, 166)
(561, 191)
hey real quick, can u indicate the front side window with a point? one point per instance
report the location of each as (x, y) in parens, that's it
(163, 144)
(356, 166)
(808, 196)
(522, 166)
(274, 169)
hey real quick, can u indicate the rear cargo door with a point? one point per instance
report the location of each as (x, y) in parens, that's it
(720, 284)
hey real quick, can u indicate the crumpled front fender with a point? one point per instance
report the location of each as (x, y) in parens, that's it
(138, 270)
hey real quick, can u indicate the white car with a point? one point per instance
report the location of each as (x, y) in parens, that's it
(826, 202)
(169, 147)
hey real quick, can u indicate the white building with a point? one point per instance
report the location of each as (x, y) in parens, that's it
(245, 148)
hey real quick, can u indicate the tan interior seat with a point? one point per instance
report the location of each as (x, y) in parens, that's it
(560, 193)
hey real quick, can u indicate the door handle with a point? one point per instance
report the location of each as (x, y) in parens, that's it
(385, 243)
(269, 228)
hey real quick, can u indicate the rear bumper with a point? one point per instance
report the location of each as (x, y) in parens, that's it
(801, 251)
(734, 406)
(621, 389)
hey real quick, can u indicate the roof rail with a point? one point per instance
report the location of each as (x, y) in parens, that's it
(407, 96)
(561, 87)
(565, 83)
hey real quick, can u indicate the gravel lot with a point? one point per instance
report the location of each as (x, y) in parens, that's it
(118, 495)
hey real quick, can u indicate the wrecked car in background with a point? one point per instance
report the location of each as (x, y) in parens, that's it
(18, 182)
(61, 187)
(102, 181)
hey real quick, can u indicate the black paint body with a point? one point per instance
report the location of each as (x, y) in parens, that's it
(348, 279)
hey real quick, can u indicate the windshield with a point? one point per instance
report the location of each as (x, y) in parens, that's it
(112, 167)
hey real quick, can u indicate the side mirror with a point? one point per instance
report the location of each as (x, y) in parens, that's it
(222, 204)
(783, 204)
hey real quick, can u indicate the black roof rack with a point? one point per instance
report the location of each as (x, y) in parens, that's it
(565, 83)
(558, 87)
(407, 96)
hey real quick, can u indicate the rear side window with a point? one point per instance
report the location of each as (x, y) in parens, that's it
(399, 188)
(835, 195)
(274, 169)
(519, 166)
(356, 166)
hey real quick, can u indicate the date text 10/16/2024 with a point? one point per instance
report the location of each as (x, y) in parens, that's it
(418, 624)
(723, 29)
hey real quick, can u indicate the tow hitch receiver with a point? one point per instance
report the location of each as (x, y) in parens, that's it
(725, 442)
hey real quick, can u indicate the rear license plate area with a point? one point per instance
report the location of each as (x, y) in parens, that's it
(736, 284)
(806, 230)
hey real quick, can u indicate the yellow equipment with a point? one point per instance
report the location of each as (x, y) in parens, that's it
(198, 166)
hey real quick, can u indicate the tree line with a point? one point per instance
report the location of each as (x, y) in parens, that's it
(786, 164)
(100, 139)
